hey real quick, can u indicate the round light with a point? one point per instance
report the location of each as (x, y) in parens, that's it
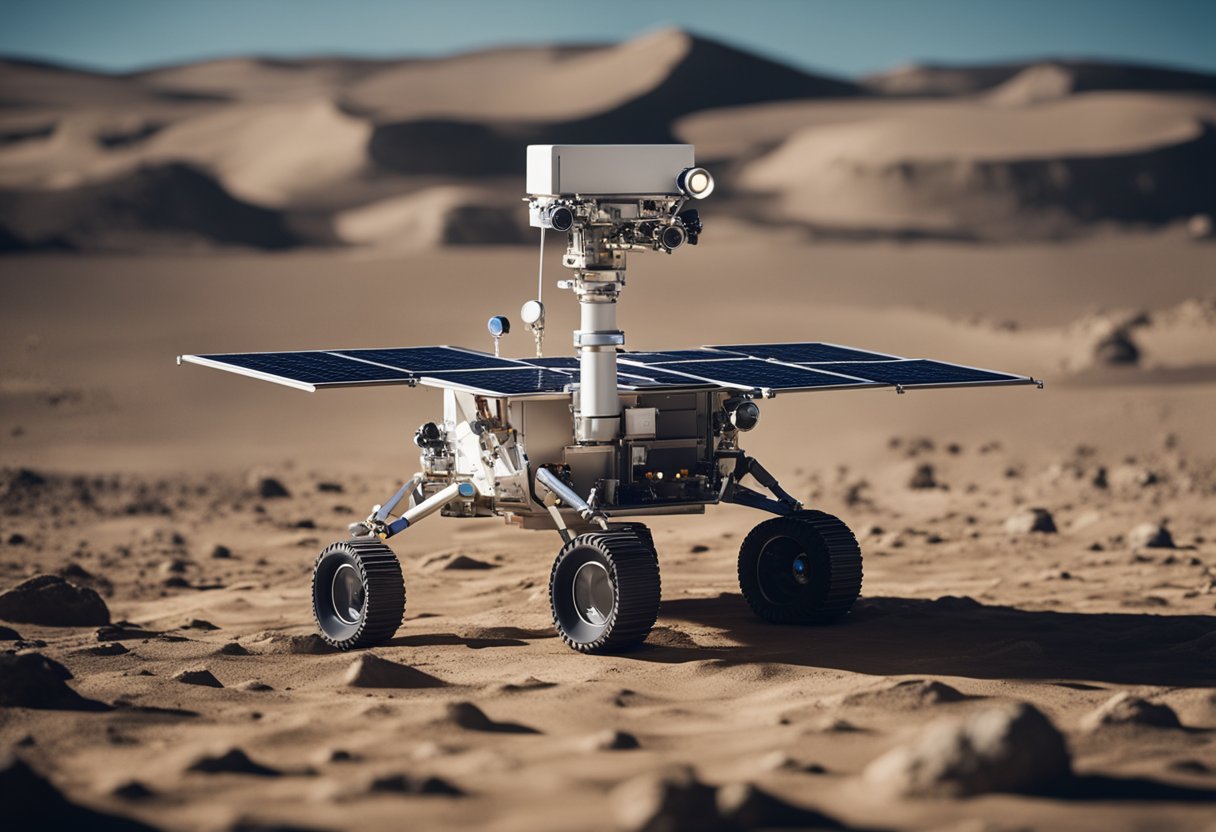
(499, 325)
(696, 182)
(533, 312)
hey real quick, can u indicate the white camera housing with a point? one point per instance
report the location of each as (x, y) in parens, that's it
(606, 169)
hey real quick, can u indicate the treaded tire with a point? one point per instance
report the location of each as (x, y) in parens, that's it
(375, 571)
(804, 568)
(626, 568)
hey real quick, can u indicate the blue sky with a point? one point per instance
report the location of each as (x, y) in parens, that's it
(844, 37)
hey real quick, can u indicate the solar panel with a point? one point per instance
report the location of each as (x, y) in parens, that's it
(812, 352)
(912, 372)
(669, 356)
(635, 377)
(308, 370)
(752, 373)
(521, 381)
(431, 359)
(553, 362)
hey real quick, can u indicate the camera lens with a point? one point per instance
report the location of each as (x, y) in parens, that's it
(561, 218)
(673, 236)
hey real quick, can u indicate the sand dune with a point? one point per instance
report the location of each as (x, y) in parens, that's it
(1082, 76)
(1042, 149)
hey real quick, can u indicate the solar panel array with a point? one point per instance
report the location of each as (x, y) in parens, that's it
(766, 368)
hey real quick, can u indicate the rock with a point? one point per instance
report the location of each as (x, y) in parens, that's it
(1010, 748)
(268, 488)
(232, 761)
(671, 801)
(466, 562)
(745, 806)
(467, 715)
(330, 487)
(198, 676)
(174, 566)
(923, 477)
(233, 648)
(132, 790)
(199, 624)
(254, 685)
(699, 548)
(909, 693)
(609, 740)
(404, 784)
(371, 671)
(123, 631)
(1031, 521)
(1150, 536)
(109, 648)
(51, 601)
(1125, 709)
(1116, 348)
(31, 801)
(31, 680)
(16, 539)
(1199, 226)
(9, 634)
(221, 552)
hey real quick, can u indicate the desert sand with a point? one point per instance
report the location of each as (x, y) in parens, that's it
(1050, 547)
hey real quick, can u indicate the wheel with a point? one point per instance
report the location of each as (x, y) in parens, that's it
(358, 594)
(604, 589)
(804, 568)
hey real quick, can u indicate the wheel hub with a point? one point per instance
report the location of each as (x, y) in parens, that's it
(346, 592)
(593, 594)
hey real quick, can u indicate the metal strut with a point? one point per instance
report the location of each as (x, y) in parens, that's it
(785, 503)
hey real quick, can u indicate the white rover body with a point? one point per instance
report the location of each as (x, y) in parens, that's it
(577, 443)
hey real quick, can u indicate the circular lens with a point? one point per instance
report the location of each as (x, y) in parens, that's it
(346, 591)
(593, 594)
(801, 569)
(746, 416)
(561, 218)
(673, 237)
(698, 182)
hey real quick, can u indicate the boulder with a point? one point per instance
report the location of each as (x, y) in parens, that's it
(232, 761)
(198, 676)
(610, 740)
(745, 806)
(1125, 709)
(670, 801)
(31, 680)
(31, 801)
(923, 477)
(51, 601)
(1009, 748)
(1031, 521)
(1150, 536)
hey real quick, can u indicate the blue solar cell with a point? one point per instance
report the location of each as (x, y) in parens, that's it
(752, 372)
(553, 362)
(805, 353)
(669, 356)
(431, 359)
(315, 368)
(911, 372)
(515, 382)
(648, 377)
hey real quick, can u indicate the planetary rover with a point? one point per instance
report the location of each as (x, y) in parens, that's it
(577, 444)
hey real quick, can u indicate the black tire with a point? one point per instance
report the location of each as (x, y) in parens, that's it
(604, 590)
(804, 568)
(358, 593)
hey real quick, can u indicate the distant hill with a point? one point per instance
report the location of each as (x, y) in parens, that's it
(420, 152)
(1084, 76)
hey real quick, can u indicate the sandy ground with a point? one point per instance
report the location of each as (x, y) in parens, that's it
(147, 467)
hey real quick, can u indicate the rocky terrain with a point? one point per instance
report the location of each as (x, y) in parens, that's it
(1035, 646)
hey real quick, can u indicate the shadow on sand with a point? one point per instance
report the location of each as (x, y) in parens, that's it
(960, 637)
